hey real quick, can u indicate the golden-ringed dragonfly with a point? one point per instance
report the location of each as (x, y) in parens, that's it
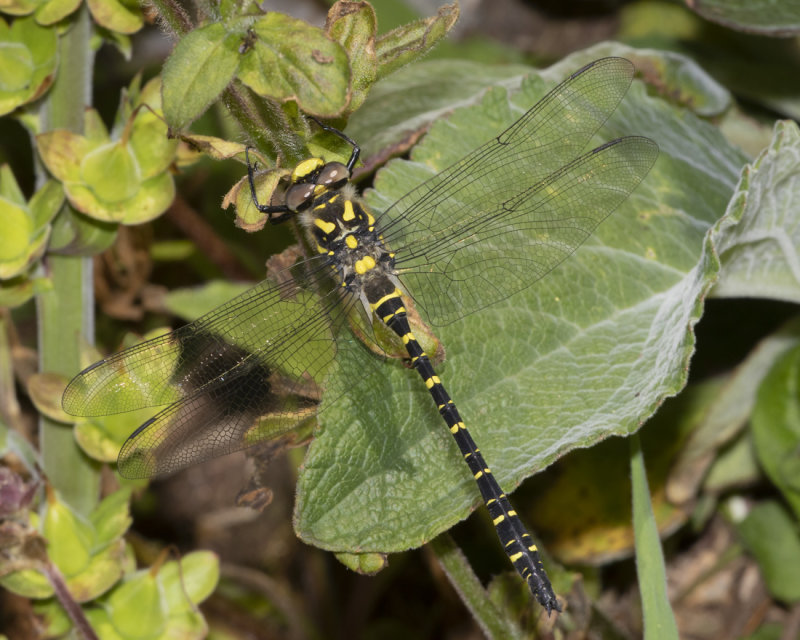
(481, 230)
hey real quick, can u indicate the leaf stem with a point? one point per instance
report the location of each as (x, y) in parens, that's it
(66, 312)
(457, 568)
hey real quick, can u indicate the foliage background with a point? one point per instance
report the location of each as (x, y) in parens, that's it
(723, 487)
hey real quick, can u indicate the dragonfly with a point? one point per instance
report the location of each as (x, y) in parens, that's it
(481, 230)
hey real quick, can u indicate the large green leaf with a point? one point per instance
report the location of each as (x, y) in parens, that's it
(759, 238)
(590, 351)
(765, 17)
(390, 120)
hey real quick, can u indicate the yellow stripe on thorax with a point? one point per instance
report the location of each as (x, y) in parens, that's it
(348, 214)
(327, 227)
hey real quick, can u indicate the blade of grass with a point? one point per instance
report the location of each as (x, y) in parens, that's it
(659, 621)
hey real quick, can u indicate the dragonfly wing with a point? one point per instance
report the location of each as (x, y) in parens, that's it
(283, 327)
(247, 406)
(549, 135)
(492, 253)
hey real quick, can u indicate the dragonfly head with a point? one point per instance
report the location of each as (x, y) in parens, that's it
(313, 177)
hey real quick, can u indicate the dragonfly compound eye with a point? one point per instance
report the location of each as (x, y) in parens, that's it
(333, 175)
(299, 197)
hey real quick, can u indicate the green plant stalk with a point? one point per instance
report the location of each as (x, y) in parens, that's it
(66, 312)
(490, 619)
(659, 620)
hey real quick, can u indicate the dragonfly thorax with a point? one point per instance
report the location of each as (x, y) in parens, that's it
(342, 227)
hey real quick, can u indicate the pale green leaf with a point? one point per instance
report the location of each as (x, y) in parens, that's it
(759, 237)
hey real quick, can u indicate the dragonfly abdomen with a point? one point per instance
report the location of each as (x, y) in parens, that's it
(516, 541)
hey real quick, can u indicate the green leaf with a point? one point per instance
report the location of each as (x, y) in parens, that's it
(102, 438)
(27, 62)
(735, 467)
(17, 227)
(596, 482)
(46, 202)
(17, 66)
(149, 142)
(111, 518)
(53, 619)
(121, 16)
(776, 426)
(248, 217)
(758, 239)
(9, 187)
(149, 201)
(354, 25)
(765, 17)
(125, 180)
(411, 41)
(195, 579)
(727, 415)
(590, 351)
(77, 234)
(191, 302)
(761, 70)
(291, 60)
(770, 534)
(137, 608)
(438, 86)
(201, 66)
(685, 82)
(69, 536)
(61, 151)
(367, 564)
(111, 172)
(17, 291)
(51, 11)
(94, 129)
(105, 568)
(102, 624)
(25, 236)
(20, 7)
(27, 583)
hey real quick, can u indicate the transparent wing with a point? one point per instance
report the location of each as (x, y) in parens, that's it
(490, 252)
(238, 410)
(490, 224)
(246, 371)
(551, 134)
